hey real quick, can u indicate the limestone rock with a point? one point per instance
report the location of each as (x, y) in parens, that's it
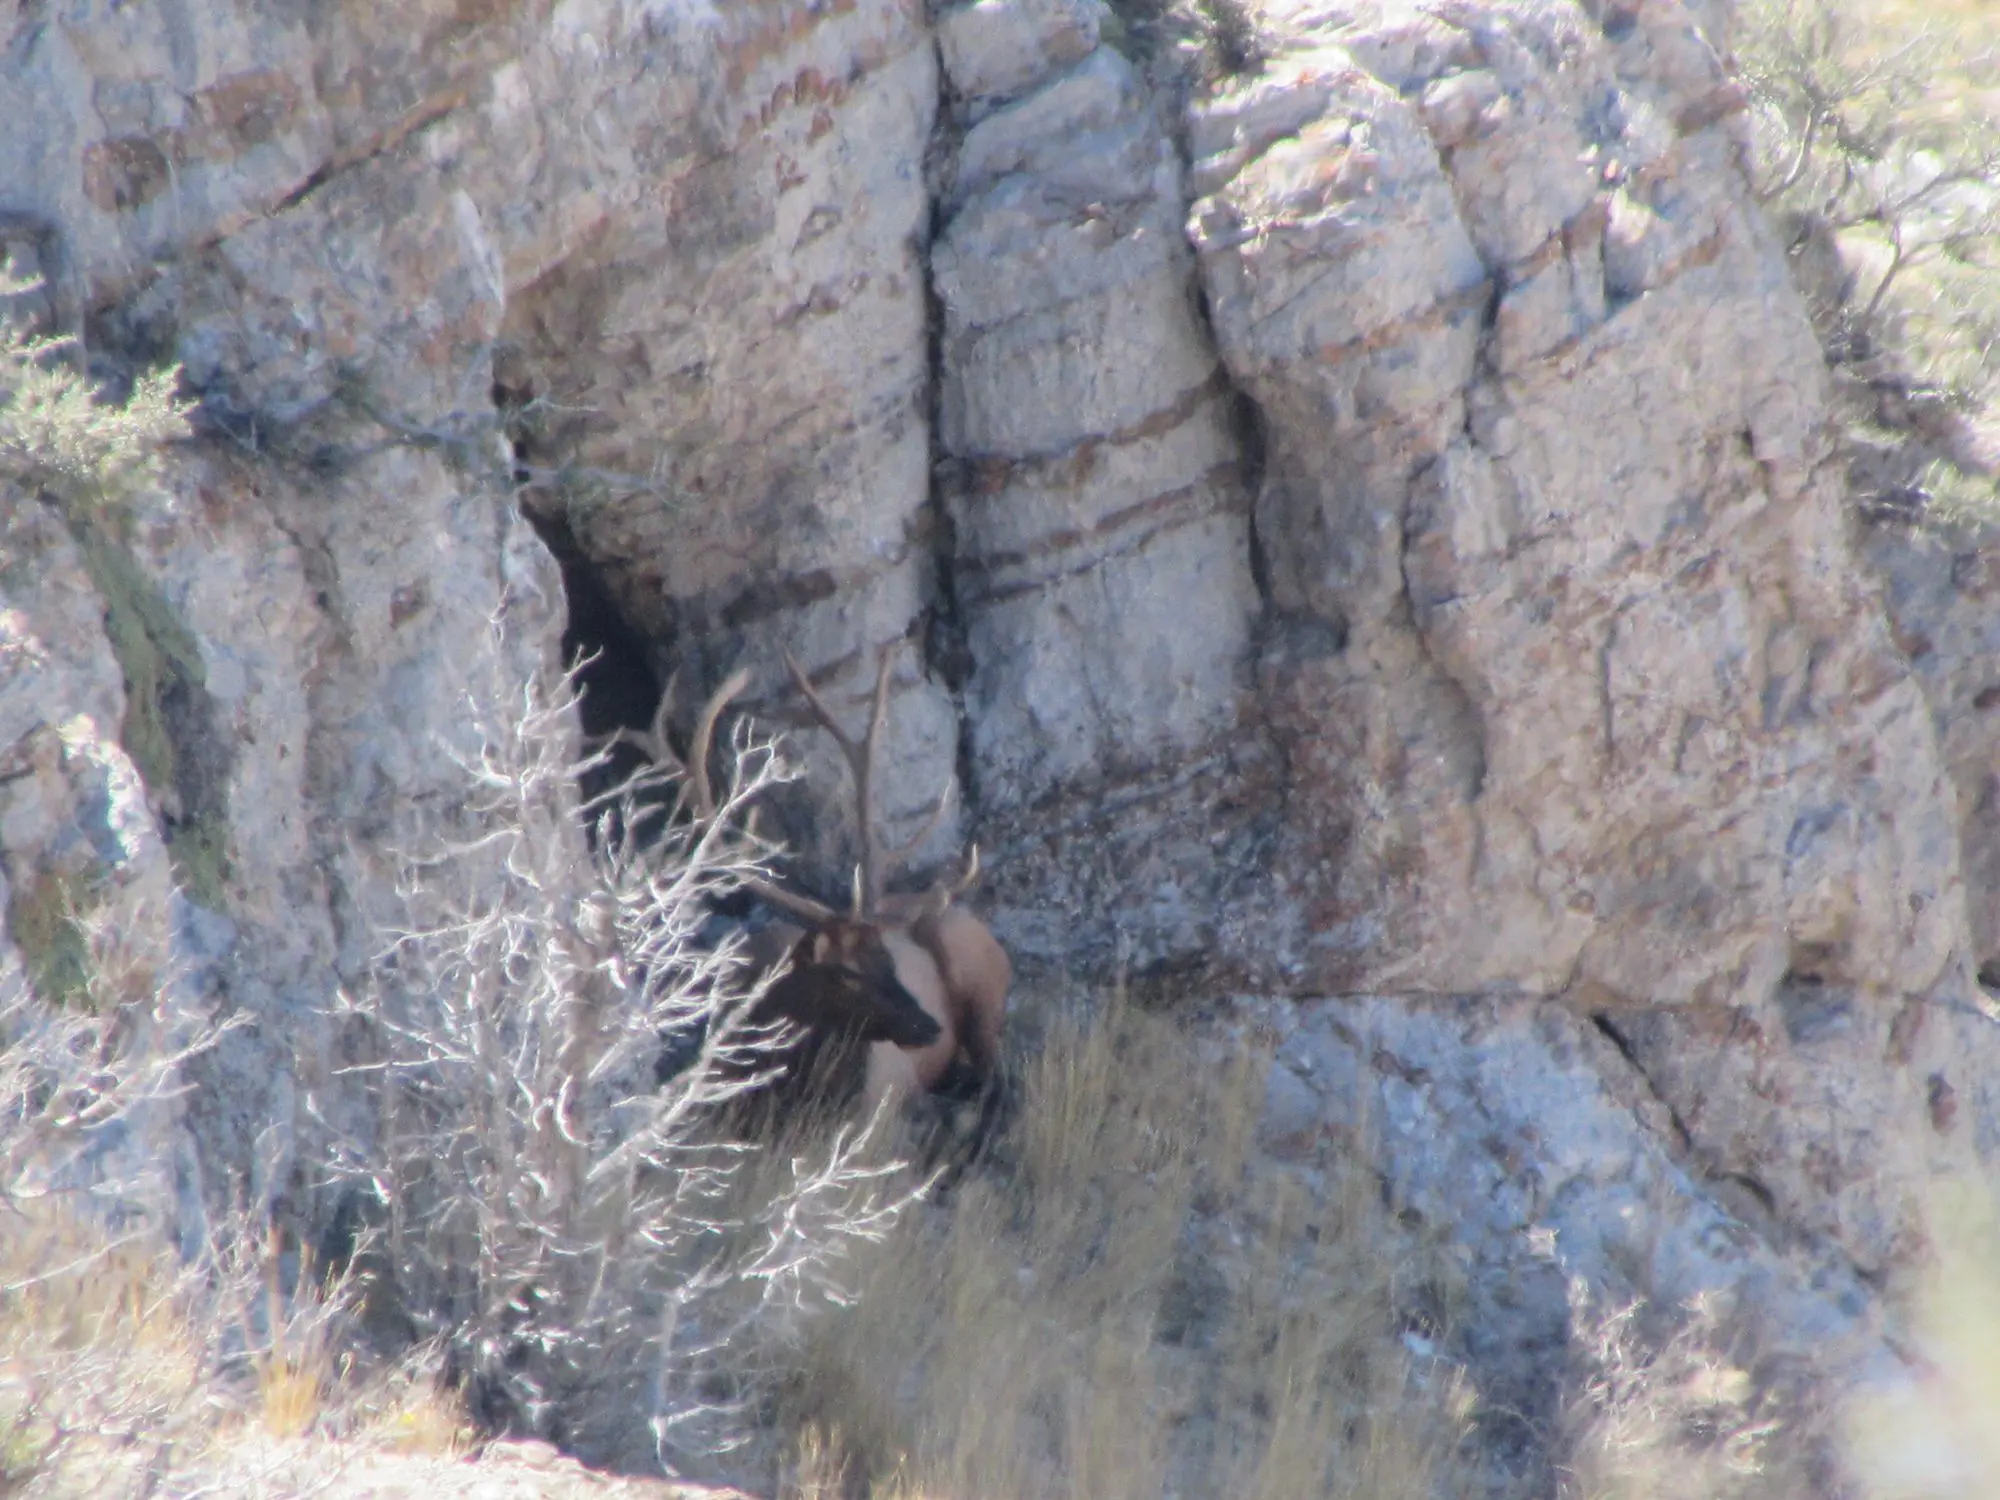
(1514, 1122)
(1366, 524)
(995, 49)
(87, 887)
(1935, 589)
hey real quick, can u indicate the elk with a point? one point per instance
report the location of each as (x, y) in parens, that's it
(941, 948)
(840, 1008)
(843, 1014)
(936, 951)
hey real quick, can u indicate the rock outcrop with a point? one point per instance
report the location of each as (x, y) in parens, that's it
(1613, 716)
(1367, 520)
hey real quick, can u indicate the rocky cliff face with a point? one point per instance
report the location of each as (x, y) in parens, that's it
(1366, 517)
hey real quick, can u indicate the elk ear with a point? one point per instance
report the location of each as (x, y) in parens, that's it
(819, 946)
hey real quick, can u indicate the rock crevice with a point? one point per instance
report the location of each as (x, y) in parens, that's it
(1368, 519)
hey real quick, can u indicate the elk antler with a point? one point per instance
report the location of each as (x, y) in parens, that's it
(701, 794)
(860, 762)
(651, 742)
(871, 879)
(941, 892)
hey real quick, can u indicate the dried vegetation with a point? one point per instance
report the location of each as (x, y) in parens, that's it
(1877, 134)
(1122, 1304)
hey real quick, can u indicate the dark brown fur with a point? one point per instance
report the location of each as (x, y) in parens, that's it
(915, 979)
(838, 996)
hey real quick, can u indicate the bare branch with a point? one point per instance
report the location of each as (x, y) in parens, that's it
(562, 1218)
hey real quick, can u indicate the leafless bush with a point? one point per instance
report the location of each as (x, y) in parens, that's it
(1668, 1415)
(121, 1339)
(1879, 154)
(601, 1270)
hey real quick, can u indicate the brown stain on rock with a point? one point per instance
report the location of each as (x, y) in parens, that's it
(127, 173)
(231, 116)
(244, 110)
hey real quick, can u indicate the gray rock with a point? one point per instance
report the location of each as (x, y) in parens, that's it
(995, 49)
(1393, 555)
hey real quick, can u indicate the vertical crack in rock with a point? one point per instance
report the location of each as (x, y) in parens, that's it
(1741, 1193)
(1683, 1138)
(1250, 445)
(1454, 683)
(617, 683)
(320, 750)
(1349, 300)
(946, 649)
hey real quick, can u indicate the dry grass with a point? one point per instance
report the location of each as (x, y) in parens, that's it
(1130, 1303)
(1053, 1331)
(121, 1367)
(417, 1413)
(1670, 1417)
(125, 1371)
(1127, 1303)
(96, 1365)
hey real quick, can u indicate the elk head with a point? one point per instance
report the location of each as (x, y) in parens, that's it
(843, 978)
(945, 943)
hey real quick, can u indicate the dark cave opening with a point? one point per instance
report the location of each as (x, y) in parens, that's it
(617, 681)
(617, 684)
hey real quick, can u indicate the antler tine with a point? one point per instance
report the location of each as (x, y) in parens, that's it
(704, 734)
(818, 706)
(657, 726)
(902, 853)
(860, 758)
(704, 795)
(649, 742)
(878, 714)
(970, 878)
(935, 901)
(802, 906)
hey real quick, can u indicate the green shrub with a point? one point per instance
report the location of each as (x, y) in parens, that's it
(1218, 37)
(60, 431)
(75, 444)
(46, 917)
